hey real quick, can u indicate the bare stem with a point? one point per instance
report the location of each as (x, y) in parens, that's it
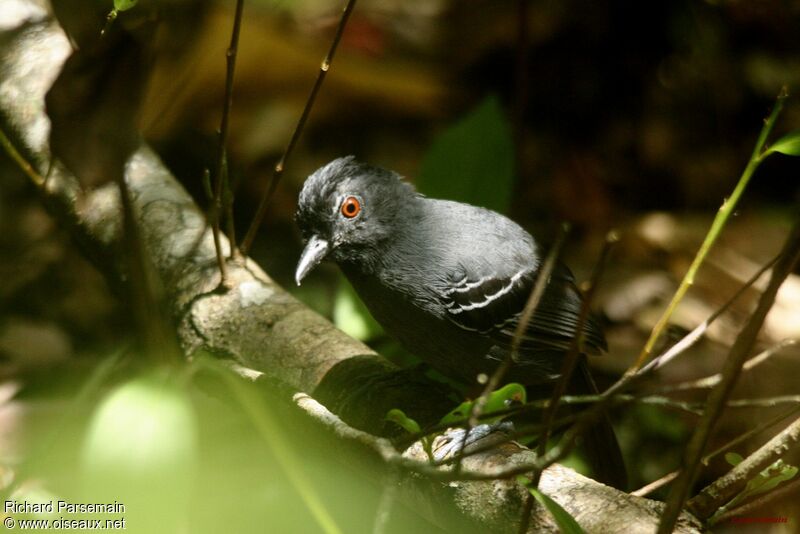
(277, 172)
(21, 162)
(711, 381)
(220, 176)
(227, 195)
(724, 213)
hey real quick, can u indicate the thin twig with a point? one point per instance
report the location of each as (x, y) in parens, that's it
(227, 196)
(20, 160)
(666, 479)
(718, 397)
(542, 279)
(725, 211)
(573, 353)
(649, 488)
(223, 179)
(220, 176)
(277, 172)
(711, 381)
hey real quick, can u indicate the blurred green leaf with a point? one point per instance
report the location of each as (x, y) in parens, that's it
(398, 416)
(351, 315)
(124, 5)
(144, 430)
(566, 523)
(789, 144)
(769, 478)
(499, 399)
(146, 423)
(787, 472)
(733, 458)
(473, 160)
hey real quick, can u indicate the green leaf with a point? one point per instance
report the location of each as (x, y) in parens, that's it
(733, 458)
(395, 415)
(789, 144)
(770, 477)
(473, 160)
(351, 315)
(143, 427)
(566, 523)
(499, 399)
(787, 473)
(124, 5)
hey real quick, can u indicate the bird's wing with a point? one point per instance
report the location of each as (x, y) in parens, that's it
(492, 305)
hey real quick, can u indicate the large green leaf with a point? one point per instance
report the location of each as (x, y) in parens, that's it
(473, 160)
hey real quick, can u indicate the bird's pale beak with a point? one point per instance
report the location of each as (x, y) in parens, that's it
(315, 251)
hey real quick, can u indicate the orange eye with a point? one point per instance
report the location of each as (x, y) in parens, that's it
(351, 207)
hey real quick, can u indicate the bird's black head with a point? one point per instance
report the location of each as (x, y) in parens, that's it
(347, 210)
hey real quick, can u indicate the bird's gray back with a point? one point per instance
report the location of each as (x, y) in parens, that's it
(436, 253)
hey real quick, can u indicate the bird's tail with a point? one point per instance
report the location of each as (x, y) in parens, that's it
(600, 444)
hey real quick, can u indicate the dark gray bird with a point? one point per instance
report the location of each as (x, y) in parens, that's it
(447, 279)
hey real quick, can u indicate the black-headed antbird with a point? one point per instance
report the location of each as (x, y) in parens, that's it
(449, 281)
